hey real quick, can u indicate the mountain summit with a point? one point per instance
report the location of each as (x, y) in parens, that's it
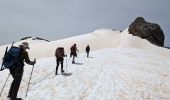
(149, 31)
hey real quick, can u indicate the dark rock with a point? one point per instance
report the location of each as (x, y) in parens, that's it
(167, 47)
(24, 38)
(38, 38)
(149, 31)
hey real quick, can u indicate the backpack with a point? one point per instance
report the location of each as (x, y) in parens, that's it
(11, 58)
(87, 49)
(59, 52)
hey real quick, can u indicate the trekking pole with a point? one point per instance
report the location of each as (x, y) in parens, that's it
(2, 68)
(29, 81)
(85, 55)
(4, 85)
(69, 59)
(78, 57)
(66, 64)
(12, 44)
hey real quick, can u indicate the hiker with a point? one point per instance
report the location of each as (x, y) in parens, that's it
(17, 72)
(73, 53)
(59, 54)
(87, 50)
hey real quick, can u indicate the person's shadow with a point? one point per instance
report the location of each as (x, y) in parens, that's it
(66, 74)
(78, 63)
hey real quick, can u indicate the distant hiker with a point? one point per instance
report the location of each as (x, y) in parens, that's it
(59, 54)
(87, 50)
(17, 71)
(73, 53)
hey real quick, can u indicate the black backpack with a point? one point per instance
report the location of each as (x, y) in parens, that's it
(11, 58)
(59, 52)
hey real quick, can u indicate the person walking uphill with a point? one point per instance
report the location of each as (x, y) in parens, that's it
(17, 72)
(59, 54)
(87, 50)
(73, 53)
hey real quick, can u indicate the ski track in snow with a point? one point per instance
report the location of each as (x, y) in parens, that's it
(110, 74)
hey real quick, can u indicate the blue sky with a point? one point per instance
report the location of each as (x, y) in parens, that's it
(56, 19)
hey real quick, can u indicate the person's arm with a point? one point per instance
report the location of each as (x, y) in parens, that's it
(55, 53)
(64, 54)
(77, 49)
(86, 49)
(27, 60)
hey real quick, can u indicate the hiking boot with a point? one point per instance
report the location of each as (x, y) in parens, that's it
(8, 96)
(62, 71)
(16, 99)
(73, 62)
(56, 73)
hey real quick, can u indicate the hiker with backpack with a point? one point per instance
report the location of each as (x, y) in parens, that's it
(16, 70)
(87, 50)
(59, 54)
(73, 53)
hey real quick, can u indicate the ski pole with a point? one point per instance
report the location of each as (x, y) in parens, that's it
(4, 85)
(29, 81)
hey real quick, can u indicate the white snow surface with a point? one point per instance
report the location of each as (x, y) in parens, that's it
(120, 67)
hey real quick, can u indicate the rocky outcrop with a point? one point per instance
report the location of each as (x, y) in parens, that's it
(149, 31)
(36, 38)
(24, 38)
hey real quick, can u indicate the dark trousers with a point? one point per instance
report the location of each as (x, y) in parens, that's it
(59, 61)
(74, 54)
(73, 61)
(87, 54)
(15, 85)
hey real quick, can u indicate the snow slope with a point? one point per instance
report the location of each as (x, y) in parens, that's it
(99, 39)
(31, 41)
(120, 67)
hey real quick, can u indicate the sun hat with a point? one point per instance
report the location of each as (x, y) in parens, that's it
(25, 45)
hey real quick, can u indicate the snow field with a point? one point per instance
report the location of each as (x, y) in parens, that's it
(120, 67)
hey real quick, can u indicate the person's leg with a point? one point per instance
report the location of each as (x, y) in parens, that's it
(15, 85)
(57, 67)
(62, 66)
(11, 88)
(70, 55)
(73, 59)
